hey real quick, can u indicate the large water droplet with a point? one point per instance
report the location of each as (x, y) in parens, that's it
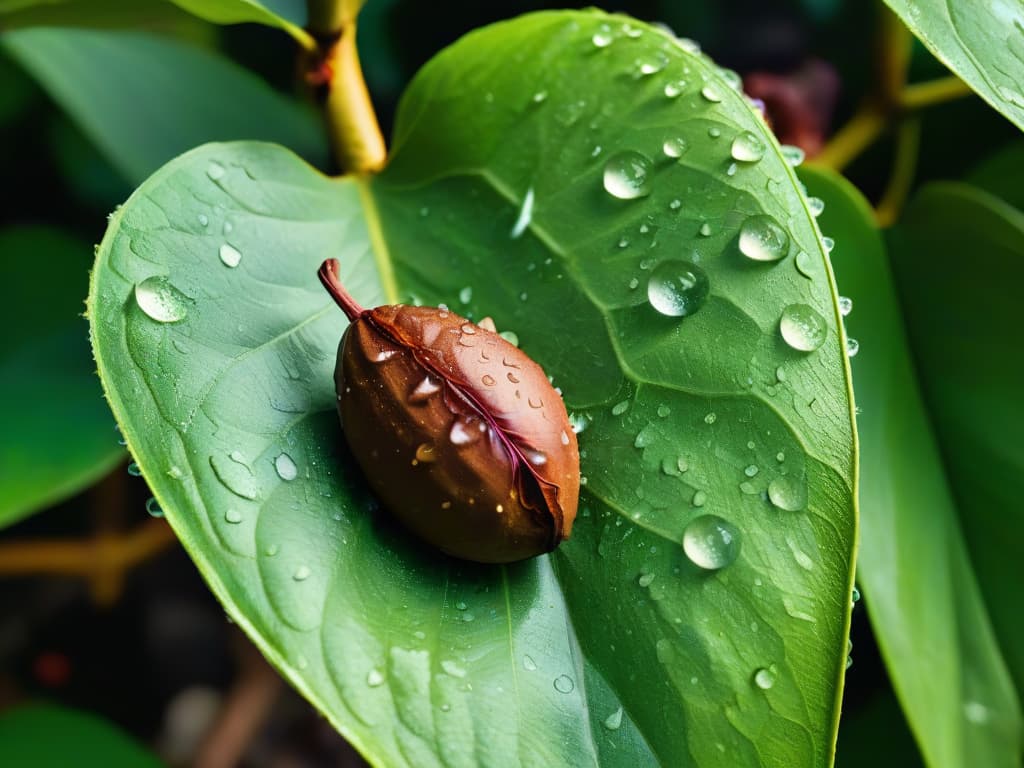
(710, 542)
(160, 300)
(763, 239)
(845, 305)
(230, 256)
(816, 206)
(786, 493)
(747, 148)
(627, 175)
(802, 327)
(674, 146)
(525, 215)
(285, 467)
(677, 288)
(614, 721)
(711, 93)
(564, 684)
(764, 679)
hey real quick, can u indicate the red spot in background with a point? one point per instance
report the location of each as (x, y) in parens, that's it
(799, 105)
(51, 669)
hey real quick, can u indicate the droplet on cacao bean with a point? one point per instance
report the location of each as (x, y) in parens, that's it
(482, 465)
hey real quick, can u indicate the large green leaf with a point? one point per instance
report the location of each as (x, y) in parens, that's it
(967, 350)
(45, 736)
(920, 590)
(616, 649)
(144, 99)
(288, 15)
(1000, 174)
(982, 42)
(58, 435)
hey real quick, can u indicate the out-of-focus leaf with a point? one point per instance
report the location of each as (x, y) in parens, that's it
(921, 594)
(44, 736)
(58, 435)
(959, 261)
(983, 42)
(1002, 174)
(144, 99)
(511, 192)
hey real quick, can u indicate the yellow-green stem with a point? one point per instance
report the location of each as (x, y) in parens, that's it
(921, 95)
(908, 141)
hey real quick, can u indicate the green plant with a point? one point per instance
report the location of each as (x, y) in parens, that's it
(558, 172)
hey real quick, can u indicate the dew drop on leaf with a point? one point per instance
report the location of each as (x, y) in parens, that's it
(233, 516)
(710, 93)
(302, 573)
(374, 678)
(153, 508)
(564, 684)
(614, 721)
(816, 206)
(160, 300)
(794, 156)
(674, 89)
(603, 37)
(762, 238)
(785, 493)
(711, 542)
(845, 305)
(627, 175)
(764, 679)
(852, 347)
(747, 148)
(285, 467)
(802, 327)
(677, 288)
(674, 146)
(230, 256)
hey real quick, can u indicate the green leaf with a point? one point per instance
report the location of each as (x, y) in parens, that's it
(45, 736)
(288, 15)
(921, 595)
(1000, 174)
(58, 433)
(615, 650)
(144, 99)
(966, 347)
(983, 43)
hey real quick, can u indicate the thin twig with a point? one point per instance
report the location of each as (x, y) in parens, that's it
(908, 141)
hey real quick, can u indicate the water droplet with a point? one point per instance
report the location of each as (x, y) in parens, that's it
(564, 684)
(705, 230)
(626, 175)
(802, 327)
(855, 595)
(204, 220)
(466, 294)
(374, 678)
(764, 679)
(816, 206)
(710, 418)
(175, 472)
(525, 216)
(674, 88)
(463, 433)
(651, 64)
(424, 390)
(748, 148)
(133, 470)
(215, 171)
(153, 508)
(529, 664)
(711, 93)
(511, 337)
(763, 239)
(675, 205)
(645, 579)
(710, 542)
(272, 550)
(603, 37)
(614, 721)
(233, 516)
(579, 422)
(285, 467)
(852, 347)
(453, 669)
(488, 380)
(699, 499)
(302, 573)
(674, 146)
(806, 265)
(786, 493)
(620, 408)
(794, 156)
(828, 244)
(714, 132)
(539, 97)
(426, 453)
(160, 300)
(845, 305)
(751, 470)
(663, 411)
(230, 255)
(678, 288)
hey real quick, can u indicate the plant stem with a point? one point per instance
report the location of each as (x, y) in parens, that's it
(354, 131)
(921, 95)
(854, 137)
(908, 141)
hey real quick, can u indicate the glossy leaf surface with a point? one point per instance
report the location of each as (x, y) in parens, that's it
(58, 432)
(983, 43)
(967, 349)
(919, 588)
(617, 649)
(144, 99)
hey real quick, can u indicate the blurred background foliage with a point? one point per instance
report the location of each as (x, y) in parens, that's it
(99, 611)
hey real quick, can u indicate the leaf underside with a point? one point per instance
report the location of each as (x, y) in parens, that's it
(616, 649)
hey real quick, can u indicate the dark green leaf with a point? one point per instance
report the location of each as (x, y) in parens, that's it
(982, 42)
(58, 433)
(144, 99)
(920, 591)
(1001, 174)
(44, 736)
(617, 649)
(962, 323)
